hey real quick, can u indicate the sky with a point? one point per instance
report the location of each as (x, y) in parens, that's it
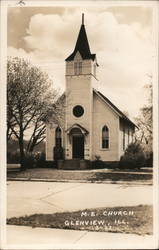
(121, 37)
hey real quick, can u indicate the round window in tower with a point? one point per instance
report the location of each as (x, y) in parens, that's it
(78, 111)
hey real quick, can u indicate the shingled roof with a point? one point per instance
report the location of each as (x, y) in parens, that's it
(82, 46)
(120, 113)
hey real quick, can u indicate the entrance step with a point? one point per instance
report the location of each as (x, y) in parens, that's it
(73, 164)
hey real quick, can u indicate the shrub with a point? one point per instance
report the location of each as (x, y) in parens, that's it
(40, 160)
(149, 160)
(29, 161)
(111, 164)
(98, 163)
(58, 153)
(13, 157)
(133, 157)
(50, 164)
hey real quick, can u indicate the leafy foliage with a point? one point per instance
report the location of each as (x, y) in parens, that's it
(133, 157)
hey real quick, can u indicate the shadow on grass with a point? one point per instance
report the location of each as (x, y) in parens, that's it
(120, 177)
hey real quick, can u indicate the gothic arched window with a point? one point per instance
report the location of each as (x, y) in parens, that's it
(105, 137)
(58, 137)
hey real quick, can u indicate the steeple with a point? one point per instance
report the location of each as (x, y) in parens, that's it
(82, 18)
(82, 45)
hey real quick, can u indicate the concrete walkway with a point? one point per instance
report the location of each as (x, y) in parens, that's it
(44, 238)
(25, 198)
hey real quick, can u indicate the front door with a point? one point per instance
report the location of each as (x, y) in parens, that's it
(78, 147)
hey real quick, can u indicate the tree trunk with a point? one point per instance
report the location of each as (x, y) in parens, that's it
(21, 147)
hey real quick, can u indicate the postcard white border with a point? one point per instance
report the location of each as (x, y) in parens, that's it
(3, 46)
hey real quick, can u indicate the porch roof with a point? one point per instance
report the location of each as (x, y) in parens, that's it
(76, 125)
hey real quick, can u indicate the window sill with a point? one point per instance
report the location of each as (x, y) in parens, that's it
(104, 149)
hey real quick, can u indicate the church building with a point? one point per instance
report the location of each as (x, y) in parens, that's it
(92, 126)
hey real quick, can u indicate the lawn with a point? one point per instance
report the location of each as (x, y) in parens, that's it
(85, 175)
(132, 219)
(117, 176)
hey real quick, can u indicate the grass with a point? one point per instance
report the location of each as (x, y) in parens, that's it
(120, 176)
(99, 175)
(138, 220)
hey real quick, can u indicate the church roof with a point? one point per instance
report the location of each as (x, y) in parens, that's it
(82, 46)
(120, 113)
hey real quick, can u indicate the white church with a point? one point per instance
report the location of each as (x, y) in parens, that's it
(92, 125)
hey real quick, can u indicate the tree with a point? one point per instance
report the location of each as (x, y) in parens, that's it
(30, 98)
(144, 122)
(133, 157)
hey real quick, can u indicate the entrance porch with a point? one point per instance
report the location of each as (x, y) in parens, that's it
(77, 147)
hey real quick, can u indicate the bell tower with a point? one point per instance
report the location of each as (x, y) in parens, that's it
(81, 77)
(81, 61)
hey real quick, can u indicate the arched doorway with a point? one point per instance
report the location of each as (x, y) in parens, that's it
(77, 143)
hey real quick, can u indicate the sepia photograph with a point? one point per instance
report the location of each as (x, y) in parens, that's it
(80, 112)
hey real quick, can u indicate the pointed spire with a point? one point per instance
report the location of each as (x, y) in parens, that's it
(82, 18)
(82, 45)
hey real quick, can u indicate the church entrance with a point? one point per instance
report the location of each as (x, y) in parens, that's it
(78, 147)
(77, 144)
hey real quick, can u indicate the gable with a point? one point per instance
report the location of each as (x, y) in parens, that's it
(114, 108)
(101, 111)
(77, 56)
